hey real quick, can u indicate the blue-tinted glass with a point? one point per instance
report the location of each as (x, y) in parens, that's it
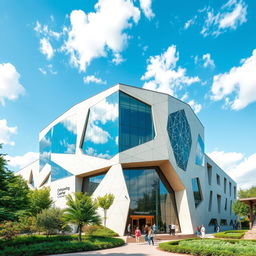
(197, 191)
(136, 124)
(150, 194)
(64, 136)
(57, 172)
(115, 124)
(61, 138)
(180, 137)
(91, 183)
(101, 136)
(200, 151)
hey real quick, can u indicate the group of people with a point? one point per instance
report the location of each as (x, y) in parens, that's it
(148, 231)
(201, 230)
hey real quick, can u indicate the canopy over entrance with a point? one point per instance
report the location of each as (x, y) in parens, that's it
(251, 202)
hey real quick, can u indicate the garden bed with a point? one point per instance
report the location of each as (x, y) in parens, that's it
(38, 245)
(236, 234)
(211, 247)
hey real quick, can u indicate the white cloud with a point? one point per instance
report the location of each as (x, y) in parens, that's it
(93, 79)
(239, 82)
(46, 48)
(241, 168)
(145, 5)
(195, 106)
(93, 152)
(208, 62)
(22, 161)
(92, 35)
(10, 87)
(190, 22)
(46, 32)
(118, 59)
(6, 132)
(230, 16)
(163, 74)
(96, 134)
(48, 69)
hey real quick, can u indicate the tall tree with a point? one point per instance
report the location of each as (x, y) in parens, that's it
(13, 193)
(105, 202)
(245, 193)
(81, 210)
(39, 200)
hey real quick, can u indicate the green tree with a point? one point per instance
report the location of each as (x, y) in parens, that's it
(13, 193)
(81, 210)
(105, 202)
(246, 193)
(240, 209)
(50, 220)
(39, 199)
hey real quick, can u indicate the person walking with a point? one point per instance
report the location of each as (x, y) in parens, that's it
(129, 230)
(150, 236)
(203, 231)
(173, 229)
(197, 231)
(146, 233)
(137, 235)
(154, 227)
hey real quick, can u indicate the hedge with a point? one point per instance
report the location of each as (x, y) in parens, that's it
(236, 234)
(53, 247)
(212, 247)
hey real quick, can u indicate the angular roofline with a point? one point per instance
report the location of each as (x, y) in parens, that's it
(128, 86)
(27, 165)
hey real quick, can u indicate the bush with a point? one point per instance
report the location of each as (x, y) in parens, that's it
(212, 247)
(51, 221)
(236, 234)
(54, 247)
(9, 229)
(101, 231)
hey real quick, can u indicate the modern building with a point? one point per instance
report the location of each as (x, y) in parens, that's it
(146, 148)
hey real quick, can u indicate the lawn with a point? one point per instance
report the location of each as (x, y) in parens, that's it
(41, 245)
(237, 234)
(212, 247)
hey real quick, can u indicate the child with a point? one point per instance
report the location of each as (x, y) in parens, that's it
(137, 235)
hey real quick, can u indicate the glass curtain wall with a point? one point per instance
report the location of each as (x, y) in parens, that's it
(90, 184)
(151, 195)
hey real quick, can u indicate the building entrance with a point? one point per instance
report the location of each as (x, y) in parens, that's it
(141, 221)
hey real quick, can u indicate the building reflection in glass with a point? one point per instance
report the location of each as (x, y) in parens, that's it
(90, 184)
(200, 151)
(151, 195)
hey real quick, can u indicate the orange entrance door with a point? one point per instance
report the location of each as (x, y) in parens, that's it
(141, 221)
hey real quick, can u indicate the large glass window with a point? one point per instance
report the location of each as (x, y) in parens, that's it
(117, 123)
(61, 139)
(91, 183)
(151, 195)
(200, 151)
(197, 191)
(180, 137)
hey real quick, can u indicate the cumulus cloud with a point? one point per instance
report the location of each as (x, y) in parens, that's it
(145, 5)
(70, 123)
(96, 134)
(6, 132)
(240, 167)
(239, 83)
(22, 161)
(93, 79)
(195, 106)
(163, 74)
(230, 16)
(94, 34)
(208, 62)
(118, 59)
(46, 48)
(10, 86)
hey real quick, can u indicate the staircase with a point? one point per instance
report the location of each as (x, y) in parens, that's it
(251, 234)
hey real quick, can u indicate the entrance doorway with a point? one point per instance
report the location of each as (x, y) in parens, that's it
(141, 221)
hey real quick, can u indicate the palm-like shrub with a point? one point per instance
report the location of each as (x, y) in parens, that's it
(105, 202)
(81, 210)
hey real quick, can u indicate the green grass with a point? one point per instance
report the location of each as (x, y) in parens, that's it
(99, 231)
(235, 234)
(212, 247)
(38, 245)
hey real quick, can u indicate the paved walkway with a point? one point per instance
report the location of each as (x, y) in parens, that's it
(251, 234)
(132, 249)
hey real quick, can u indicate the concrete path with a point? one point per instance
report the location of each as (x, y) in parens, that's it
(132, 249)
(251, 234)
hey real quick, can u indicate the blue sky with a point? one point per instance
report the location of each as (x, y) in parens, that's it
(54, 54)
